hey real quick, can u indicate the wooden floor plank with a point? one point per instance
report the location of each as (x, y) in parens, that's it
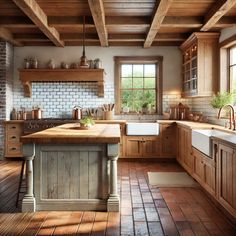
(86, 225)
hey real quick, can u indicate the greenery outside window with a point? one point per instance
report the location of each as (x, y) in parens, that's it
(232, 71)
(138, 82)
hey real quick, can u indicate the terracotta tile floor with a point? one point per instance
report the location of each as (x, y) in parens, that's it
(144, 210)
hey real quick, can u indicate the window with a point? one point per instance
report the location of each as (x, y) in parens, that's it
(138, 84)
(232, 71)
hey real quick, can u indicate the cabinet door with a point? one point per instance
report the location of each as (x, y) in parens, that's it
(180, 152)
(133, 146)
(187, 157)
(168, 140)
(226, 177)
(209, 176)
(198, 166)
(150, 147)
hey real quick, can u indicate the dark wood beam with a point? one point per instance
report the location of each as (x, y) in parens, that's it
(220, 8)
(65, 21)
(98, 13)
(157, 21)
(37, 15)
(7, 36)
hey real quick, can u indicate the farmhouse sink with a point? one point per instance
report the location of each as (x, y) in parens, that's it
(202, 139)
(137, 128)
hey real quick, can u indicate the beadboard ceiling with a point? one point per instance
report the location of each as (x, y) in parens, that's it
(111, 22)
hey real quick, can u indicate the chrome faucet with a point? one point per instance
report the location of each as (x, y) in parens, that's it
(231, 116)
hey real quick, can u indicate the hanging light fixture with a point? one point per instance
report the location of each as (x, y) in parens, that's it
(83, 60)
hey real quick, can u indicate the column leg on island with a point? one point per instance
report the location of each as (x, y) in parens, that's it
(28, 202)
(113, 203)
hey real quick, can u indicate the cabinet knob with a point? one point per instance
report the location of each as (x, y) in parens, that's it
(13, 127)
(13, 137)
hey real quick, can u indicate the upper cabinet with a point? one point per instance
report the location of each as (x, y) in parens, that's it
(200, 64)
(27, 76)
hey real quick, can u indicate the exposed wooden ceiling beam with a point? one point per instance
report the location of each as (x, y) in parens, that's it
(98, 13)
(157, 21)
(7, 36)
(219, 9)
(37, 15)
(182, 21)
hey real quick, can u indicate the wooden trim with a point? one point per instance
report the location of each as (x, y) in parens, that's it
(7, 36)
(37, 15)
(216, 12)
(157, 21)
(142, 60)
(98, 13)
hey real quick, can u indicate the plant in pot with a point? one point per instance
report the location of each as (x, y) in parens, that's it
(86, 122)
(145, 107)
(221, 99)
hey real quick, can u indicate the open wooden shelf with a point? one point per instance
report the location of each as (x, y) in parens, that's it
(27, 76)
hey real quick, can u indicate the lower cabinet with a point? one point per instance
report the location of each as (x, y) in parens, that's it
(204, 171)
(168, 140)
(142, 146)
(226, 177)
(184, 153)
(13, 145)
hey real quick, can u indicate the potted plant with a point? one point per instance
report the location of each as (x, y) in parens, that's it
(86, 122)
(221, 99)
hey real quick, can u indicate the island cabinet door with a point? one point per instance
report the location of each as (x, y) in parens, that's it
(198, 166)
(226, 177)
(70, 177)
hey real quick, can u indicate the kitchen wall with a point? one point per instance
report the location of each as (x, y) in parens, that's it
(6, 85)
(57, 99)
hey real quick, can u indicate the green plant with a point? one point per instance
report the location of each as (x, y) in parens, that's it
(221, 99)
(145, 105)
(87, 121)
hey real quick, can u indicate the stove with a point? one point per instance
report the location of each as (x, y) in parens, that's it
(32, 126)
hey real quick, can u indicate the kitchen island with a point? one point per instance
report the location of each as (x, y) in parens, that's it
(69, 168)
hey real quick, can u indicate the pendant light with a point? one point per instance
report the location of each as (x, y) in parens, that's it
(83, 60)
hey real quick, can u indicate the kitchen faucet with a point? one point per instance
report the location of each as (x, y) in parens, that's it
(231, 115)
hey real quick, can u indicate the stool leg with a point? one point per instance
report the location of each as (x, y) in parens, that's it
(20, 182)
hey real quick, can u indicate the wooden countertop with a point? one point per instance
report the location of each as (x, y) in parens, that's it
(69, 133)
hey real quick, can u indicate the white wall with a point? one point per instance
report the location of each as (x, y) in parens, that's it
(227, 33)
(59, 98)
(171, 55)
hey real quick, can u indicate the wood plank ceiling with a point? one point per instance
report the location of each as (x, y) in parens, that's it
(111, 22)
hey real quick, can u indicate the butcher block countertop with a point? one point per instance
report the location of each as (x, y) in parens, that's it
(71, 133)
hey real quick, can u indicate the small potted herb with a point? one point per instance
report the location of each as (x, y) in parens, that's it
(221, 99)
(86, 122)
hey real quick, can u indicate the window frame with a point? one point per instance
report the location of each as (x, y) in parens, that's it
(157, 60)
(230, 82)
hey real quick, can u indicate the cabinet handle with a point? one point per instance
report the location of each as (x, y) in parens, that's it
(13, 137)
(13, 127)
(13, 149)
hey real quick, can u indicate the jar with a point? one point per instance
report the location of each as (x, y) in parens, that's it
(97, 63)
(26, 63)
(34, 63)
(51, 64)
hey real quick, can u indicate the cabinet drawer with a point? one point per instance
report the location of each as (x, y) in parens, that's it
(13, 150)
(12, 137)
(16, 128)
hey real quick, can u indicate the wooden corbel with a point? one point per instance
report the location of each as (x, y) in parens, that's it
(27, 89)
(100, 88)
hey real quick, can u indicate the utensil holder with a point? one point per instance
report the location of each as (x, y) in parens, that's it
(108, 115)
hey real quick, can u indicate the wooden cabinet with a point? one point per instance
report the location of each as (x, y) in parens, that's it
(226, 177)
(200, 63)
(204, 171)
(184, 153)
(13, 132)
(168, 140)
(142, 146)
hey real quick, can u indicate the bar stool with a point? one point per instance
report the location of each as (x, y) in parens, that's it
(20, 181)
